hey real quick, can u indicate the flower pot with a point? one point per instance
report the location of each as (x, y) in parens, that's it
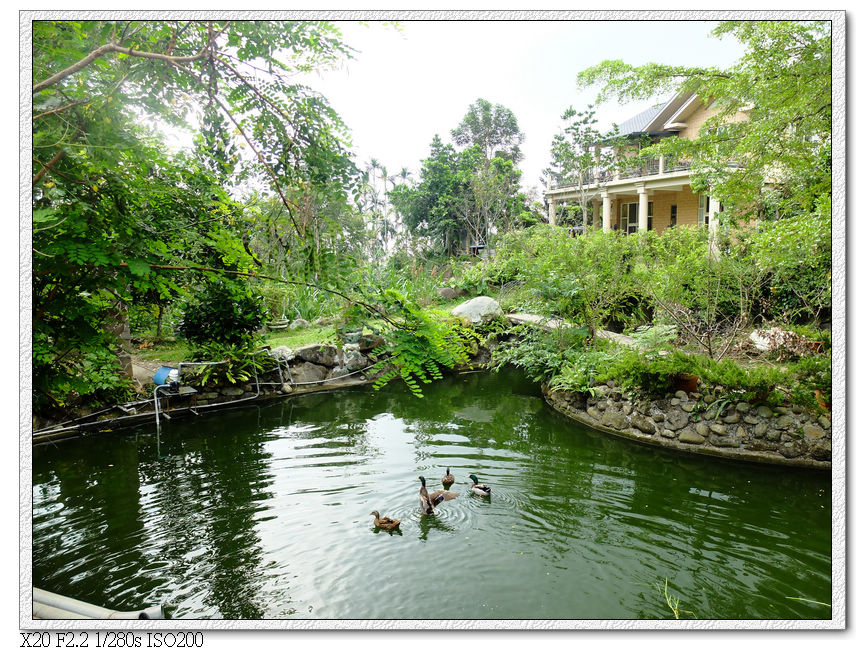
(687, 382)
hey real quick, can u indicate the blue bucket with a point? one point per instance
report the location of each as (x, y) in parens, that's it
(161, 376)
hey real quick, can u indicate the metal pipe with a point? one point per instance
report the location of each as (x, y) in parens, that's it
(50, 605)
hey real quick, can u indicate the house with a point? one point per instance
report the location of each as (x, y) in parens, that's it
(654, 194)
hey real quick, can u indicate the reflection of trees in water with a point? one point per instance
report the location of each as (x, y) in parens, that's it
(98, 483)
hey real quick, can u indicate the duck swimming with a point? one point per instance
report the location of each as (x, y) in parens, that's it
(385, 523)
(479, 488)
(428, 501)
(448, 479)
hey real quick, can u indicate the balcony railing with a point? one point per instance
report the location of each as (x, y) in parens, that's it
(645, 167)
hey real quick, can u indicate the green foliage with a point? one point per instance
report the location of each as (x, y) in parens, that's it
(115, 214)
(222, 312)
(580, 374)
(541, 354)
(239, 364)
(493, 129)
(782, 82)
(421, 345)
(795, 254)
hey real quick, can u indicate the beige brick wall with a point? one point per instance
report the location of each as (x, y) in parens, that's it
(699, 117)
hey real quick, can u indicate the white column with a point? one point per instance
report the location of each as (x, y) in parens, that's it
(661, 164)
(714, 211)
(607, 209)
(643, 210)
(552, 213)
(596, 213)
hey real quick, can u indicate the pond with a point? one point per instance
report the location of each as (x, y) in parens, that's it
(263, 513)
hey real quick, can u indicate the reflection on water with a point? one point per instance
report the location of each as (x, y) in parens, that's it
(262, 512)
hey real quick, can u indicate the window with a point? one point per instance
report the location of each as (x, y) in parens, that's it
(674, 214)
(629, 218)
(703, 210)
(651, 213)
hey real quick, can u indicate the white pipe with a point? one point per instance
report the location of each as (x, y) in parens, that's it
(65, 607)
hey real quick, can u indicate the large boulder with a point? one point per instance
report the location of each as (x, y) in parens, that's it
(323, 355)
(479, 310)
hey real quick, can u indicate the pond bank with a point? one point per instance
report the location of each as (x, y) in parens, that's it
(698, 422)
(702, 423)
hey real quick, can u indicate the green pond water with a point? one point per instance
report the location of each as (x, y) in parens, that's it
(263, 512)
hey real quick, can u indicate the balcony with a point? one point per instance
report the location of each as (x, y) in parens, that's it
(642, 168)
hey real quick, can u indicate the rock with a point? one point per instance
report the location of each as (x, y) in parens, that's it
(323, 321)
(593, 412)
(297, 323)
(283, 352)
(797, 410)
(691, 437)
(784, 422)
(337, 372)
(308, 373)
(676, 420)
(761, 445)
(791, 449)
(675, 401)
(614, 420)
(352, 358)
(709, 398)
(681, 394)
(750, 419)
(723, 441)
(322, 355)
(447, 293)
(370, 342)
(773, 435)
(688, 407)
(627, 408)
(208, 395)
(764, 412)
(824, 422)
(611, 384)
(783, 410)
(667, 433)
(702, 429)
(658, 417)
(602, 405)
(643, 423)
(760, 429)
(733, 418)
(479, 310)
(602, 391)
(743, 407)
(287, 388)
(232, 391)
(821, 450)
(812, 431)
(741, 433)
(720, 429)
(695, 396)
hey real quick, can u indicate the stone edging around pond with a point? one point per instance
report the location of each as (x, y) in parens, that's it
(690, 422)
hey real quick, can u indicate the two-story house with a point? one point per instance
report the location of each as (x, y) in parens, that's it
(654, 194)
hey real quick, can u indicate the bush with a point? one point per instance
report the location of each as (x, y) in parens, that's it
(224, 311)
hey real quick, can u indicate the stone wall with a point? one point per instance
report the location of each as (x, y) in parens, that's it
(703, 423)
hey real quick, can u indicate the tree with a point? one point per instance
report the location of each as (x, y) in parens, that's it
(114, 213)
(782, 83)
(493, 128)
(582, 156)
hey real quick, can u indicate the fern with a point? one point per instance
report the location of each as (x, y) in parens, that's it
(420, 345)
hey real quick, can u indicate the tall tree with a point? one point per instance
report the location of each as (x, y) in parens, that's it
(782, 83)
(113, 212)
(493, 128)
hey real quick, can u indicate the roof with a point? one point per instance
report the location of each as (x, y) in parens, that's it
(652, 120)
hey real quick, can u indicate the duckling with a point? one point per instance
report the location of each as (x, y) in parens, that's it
(385, 523)
(429, 501)
(448, 479)
(479, 488)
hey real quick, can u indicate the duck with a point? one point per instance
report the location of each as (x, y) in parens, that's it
(479, 488)
(428, 501)
(385, 523)
(448, 479)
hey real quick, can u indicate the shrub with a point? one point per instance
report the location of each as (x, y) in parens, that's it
(224, 311)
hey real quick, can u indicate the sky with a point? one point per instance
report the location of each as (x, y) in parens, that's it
(407, 84)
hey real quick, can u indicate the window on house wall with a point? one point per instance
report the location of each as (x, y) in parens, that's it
(651, 213)
(674, 214)
(629, 216)
(703, 210)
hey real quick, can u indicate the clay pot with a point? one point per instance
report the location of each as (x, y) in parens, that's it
(687, 383)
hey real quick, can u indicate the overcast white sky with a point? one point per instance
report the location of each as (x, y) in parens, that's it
(408, 84)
